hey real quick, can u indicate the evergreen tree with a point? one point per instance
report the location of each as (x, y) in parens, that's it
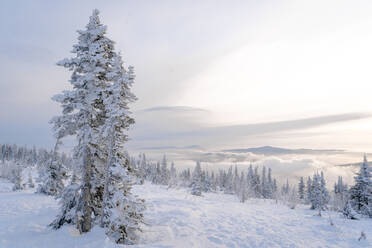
(264, 190)
(52, 175)
(196, 187)
(308, 190)
(172, 176)
(361, 193)
(164, 175)
(319, 194)
(229, 184)
(325, 193)
(243, 188)
(270, 186)
(301, 188)
(84, 114)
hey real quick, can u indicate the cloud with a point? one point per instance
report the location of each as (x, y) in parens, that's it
(174, 109)
(270, 127)
(186, 126)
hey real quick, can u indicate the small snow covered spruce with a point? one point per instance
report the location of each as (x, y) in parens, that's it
(301, 189)
(52, 174)
(360, 195)
(196, 186)
(319, 193)
(96, 112)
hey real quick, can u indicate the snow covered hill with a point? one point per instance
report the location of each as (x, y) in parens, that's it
(177, 219)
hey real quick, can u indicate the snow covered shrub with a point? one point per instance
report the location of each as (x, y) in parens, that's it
(349, 212)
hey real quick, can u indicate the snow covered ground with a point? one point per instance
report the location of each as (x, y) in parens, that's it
(177, 219)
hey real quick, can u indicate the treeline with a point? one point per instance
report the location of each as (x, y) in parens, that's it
(30, 156)
(55, 170)
(13, 159)
(253, 183)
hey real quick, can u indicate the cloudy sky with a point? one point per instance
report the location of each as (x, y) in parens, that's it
(211, 75)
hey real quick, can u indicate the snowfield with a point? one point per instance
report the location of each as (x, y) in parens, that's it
(177, 219)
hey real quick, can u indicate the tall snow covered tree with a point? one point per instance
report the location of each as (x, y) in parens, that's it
(84, 113)
(361, 193)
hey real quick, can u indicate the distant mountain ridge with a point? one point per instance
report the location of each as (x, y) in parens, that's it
(271, 150)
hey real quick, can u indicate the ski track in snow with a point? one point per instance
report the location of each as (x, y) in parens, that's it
(177, 219)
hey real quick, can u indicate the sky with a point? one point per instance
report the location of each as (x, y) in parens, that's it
(211, 75)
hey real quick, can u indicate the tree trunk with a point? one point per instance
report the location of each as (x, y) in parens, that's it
(85, 223)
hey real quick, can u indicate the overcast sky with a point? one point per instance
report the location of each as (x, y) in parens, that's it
(210, 74)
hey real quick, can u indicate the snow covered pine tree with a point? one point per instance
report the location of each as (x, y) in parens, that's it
(196, 180)
(360, 199)
(91, 111)
(52, 174)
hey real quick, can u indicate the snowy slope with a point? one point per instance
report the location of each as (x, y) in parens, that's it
(177, 219)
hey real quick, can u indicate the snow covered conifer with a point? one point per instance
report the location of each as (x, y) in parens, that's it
(172, 176)
(255, 183)
(236, 180)
(164, 171)
(243, 188)
(308, 190)
(196, 187)
(229, 182)
(319, 193)
(325, 193)
(270, 186)
(361, 193)
(301, 189)
(52, 175)
(349, 212)
(264, 186)
(84, 114)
